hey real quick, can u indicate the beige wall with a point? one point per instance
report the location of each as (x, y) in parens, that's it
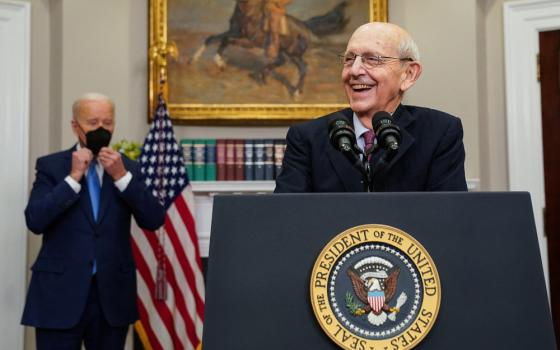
(84, 45)
(493, 138)
(461, 47)
(44, 135)
(104, 49)
(449, 79)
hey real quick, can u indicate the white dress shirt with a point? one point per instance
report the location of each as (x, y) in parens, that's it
(360, 129)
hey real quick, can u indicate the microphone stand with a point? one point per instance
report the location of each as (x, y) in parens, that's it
(368, 177)
(352, 153)
(368, 181)
(381, 164)
(363, 165)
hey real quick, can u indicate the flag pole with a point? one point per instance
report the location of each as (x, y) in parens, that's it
(161, 278)
(160, 53)
(176, 275)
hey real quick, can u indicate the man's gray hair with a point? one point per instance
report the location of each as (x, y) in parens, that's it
(90, 96)
(408, 49)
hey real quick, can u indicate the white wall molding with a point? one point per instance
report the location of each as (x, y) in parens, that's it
(523, 20)
(204, 192)
(14, 152)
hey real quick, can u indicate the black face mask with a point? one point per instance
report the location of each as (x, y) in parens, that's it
(97, 139)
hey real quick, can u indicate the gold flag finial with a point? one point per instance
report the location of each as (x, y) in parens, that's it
(159, 54)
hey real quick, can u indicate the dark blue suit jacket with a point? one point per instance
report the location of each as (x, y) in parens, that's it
(62, 273)
(430, 158)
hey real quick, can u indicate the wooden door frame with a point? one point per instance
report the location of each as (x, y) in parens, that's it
(523, 20)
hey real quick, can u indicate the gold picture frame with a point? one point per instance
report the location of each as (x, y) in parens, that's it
(190, 80)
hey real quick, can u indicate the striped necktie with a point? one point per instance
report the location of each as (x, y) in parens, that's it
(369, 137)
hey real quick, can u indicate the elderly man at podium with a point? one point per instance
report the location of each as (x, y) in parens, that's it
(378, 144)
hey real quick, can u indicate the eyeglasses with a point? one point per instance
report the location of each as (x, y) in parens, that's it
(369, 61)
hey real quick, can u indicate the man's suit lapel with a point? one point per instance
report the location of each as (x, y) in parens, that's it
(402, 118)
(85, 202)
(348, 175)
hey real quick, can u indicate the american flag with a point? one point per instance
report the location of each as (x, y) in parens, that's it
(169, 270)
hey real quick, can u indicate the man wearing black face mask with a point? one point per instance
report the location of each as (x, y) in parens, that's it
(83, 287)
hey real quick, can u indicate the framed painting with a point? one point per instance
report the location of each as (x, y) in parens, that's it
(251, 62)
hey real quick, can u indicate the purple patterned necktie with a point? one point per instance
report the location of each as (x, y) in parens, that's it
(368, 136)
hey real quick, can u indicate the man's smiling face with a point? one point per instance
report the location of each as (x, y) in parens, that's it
(378, 88)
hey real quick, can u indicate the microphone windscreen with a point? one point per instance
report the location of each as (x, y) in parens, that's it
(341, 133)
(381, 118)
(339, 120)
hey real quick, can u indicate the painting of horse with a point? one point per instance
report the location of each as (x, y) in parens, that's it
(228, 53)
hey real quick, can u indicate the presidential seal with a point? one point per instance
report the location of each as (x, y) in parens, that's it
(374, 287)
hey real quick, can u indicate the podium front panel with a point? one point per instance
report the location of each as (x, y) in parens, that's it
(263, 248)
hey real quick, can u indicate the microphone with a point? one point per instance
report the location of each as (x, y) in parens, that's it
(388, 134)
(343, 138)
(342, 135)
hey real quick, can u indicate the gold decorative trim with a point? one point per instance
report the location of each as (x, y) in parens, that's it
(379, 11)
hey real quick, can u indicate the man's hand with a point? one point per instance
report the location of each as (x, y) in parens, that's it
(80, 163)
(112, 163)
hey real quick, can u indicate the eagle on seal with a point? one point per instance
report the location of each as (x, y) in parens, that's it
(372, 284)
(376, 292)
